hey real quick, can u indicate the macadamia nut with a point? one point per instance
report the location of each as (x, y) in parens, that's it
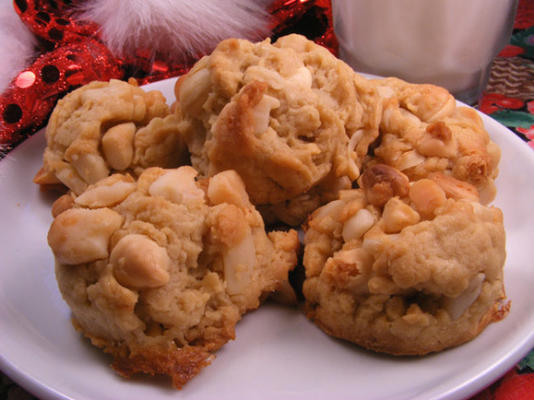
(79, 236)
(139, 263)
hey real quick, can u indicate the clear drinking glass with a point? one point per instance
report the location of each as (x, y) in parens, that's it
(450, 43)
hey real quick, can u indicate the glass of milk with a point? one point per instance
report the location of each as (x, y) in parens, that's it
(450, 43)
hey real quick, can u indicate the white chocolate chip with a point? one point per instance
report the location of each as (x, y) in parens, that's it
(409, 159)
(302, 78)
(455, 188)
(456, 306)
(261, 113)
(356, 226)
(178, 186)
(239, 262)
(332, 210)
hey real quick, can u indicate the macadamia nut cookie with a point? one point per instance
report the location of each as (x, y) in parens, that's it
(158, 271)
(424, 131)
(289, 117)
(106, 127)
(402, 268)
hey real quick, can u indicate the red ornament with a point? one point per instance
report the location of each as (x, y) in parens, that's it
(145, 68)
(26, 105)
(311, 18)
(52, 22)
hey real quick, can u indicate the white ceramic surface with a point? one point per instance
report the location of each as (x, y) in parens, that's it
(278, 353)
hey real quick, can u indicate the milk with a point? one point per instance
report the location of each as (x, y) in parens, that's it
(450, 43)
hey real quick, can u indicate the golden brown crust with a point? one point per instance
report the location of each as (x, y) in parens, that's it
(289, 117)
(375, 340)
(158, 271)
(180, 364)
(418, 273)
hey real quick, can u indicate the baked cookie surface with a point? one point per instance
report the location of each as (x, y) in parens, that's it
(106, 127)
(289, 117)
(158, 271)
(423, 131)
(405, 269)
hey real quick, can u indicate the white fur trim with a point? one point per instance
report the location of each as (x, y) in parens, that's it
(17, 44)
(175, 28)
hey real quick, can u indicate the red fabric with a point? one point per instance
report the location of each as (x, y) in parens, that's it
(525, 14)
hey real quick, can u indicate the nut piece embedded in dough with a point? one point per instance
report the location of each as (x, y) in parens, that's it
(437, 141)
(358, 224)
(139, 263)
(456, 306)
(413, 285)
(118, 146)
(178, 186)
(397, 215)
(93, 131)
(427, 196)
(228, 187)
(91, 167)
(382, 182)
(454, 188)
(79, 236)
(107, 192)
(239, 264)
(261, 112)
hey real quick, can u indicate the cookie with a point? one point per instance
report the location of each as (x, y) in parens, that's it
(106, 127)
(289, 117)
(405, 268)
(158, 271)
(423, 131)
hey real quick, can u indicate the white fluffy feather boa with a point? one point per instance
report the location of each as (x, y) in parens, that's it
(174, 29)
(17, 44)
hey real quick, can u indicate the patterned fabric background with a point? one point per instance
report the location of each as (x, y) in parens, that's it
(509, 96)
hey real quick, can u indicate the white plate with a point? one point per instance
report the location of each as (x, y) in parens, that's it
(278, 353)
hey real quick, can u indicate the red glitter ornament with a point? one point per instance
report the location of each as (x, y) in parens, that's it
(311, 18)
(26, 105)
(52, 22)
